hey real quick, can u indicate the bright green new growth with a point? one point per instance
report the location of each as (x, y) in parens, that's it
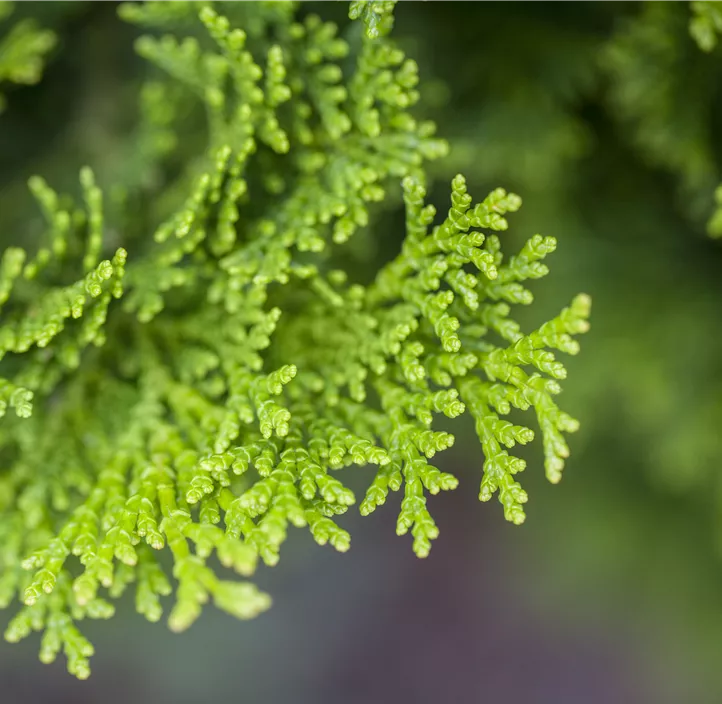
(214, 404)
(377, 15)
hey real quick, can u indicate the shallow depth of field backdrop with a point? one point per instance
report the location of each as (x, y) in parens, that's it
(607, 119)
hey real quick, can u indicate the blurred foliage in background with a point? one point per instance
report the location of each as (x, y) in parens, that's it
(607, 117)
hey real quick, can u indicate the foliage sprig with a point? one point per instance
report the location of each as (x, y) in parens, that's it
(203, 396)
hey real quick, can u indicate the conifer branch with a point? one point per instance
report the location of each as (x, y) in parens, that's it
(202, 392)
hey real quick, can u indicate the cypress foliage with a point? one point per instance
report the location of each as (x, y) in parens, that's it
(189, 357)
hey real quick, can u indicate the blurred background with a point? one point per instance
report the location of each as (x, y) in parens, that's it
(607, 119)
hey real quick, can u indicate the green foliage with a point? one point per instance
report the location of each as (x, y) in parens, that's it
(203, 397)
(592, 171)
(706, 23)
(22, 50)
(714, 224)
(377, 15)
(704, 27)
(659, 82)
